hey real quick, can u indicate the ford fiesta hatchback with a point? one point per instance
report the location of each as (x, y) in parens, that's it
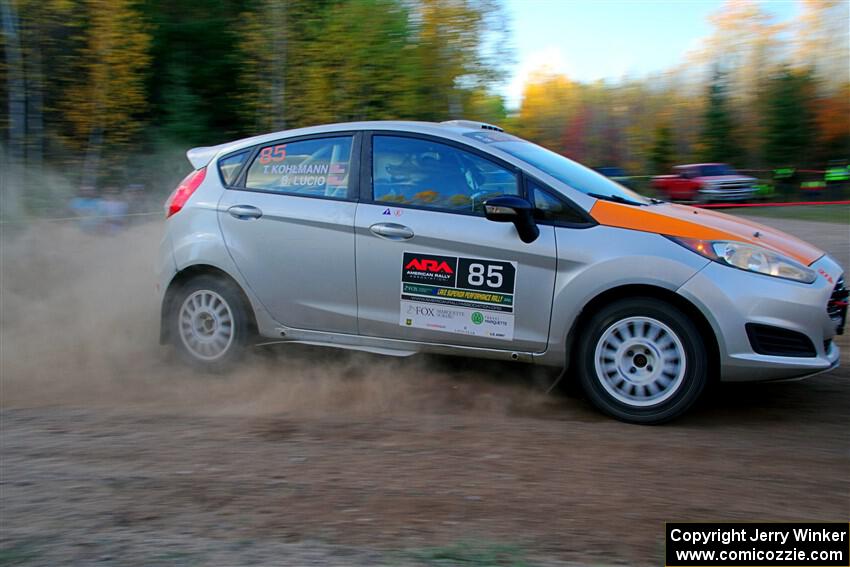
(457, 238)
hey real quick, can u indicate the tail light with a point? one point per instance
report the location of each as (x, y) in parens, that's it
(180, 195)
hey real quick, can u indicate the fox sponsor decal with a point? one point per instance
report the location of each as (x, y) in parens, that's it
(433, 311)
(459, 320)
(470, 296)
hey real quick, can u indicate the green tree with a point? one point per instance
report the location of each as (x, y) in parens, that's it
(192, 79)
(282, 64)
(484, 105)
(459, 45)
(661, 154)
(417, 59)
(360, 72)
(718, 131)
(789, 118)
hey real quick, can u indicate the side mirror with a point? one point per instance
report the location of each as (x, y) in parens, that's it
(508, 208)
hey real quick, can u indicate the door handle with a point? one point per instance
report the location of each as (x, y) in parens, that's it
(392, 231)
(245, 212)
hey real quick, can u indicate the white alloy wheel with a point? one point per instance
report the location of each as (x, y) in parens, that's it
(640, 361)
(206, 325)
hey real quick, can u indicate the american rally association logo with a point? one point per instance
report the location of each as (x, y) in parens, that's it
(428, 265)
(429, 269)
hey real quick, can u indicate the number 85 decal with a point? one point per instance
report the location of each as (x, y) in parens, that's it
(273, 154)
(489, 275)
(494, 275)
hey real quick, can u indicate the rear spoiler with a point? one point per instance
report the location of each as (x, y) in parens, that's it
(200, 157)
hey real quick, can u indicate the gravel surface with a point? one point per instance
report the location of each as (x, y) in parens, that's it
(112, 454)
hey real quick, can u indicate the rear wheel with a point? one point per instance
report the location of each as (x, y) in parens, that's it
(209, 323)
(642, 361)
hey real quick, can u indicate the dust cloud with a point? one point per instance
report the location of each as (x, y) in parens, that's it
(79, 327)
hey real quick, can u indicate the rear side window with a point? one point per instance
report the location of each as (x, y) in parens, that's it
(318, 168)
(229, 167)
(420, 172)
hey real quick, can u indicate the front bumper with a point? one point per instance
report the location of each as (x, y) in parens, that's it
(731, 298)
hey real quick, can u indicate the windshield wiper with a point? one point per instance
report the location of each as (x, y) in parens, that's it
(615, 198)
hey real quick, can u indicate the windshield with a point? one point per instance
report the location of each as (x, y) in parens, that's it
(611, 171)
(566, 170)
(715, 169)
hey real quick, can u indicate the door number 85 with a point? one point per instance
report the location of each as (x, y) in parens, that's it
(493, 277)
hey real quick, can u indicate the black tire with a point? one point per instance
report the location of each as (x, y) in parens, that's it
(607, 392)
(189, 342)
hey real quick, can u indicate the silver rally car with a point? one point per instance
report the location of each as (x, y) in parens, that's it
(457, 238)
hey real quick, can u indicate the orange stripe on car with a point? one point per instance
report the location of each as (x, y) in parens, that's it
(689, 222)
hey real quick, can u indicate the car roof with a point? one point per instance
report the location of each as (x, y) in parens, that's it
(401, 125)
(453, 129)
(456, 130)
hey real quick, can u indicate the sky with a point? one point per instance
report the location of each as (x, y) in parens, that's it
(609, 39)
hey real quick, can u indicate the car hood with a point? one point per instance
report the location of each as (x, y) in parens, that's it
(691, 222)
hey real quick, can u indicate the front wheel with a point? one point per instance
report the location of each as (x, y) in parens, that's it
(642, 360)
(209, 322)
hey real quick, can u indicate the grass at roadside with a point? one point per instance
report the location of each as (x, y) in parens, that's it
(820, 213)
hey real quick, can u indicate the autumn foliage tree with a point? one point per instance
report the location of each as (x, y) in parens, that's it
(104, 107)
(96, 87)
(420, 59)
(549, 101)
(832, 118)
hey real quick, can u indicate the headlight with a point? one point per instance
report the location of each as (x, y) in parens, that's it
(749, 257)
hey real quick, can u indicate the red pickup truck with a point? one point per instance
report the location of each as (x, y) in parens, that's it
(704, 182)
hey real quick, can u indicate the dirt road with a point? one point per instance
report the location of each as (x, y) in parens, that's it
(111, 454)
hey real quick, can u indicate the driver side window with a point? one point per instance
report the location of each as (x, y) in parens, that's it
(413, 171)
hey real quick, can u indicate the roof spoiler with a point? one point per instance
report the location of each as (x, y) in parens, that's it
(200, 157)
(472, 124)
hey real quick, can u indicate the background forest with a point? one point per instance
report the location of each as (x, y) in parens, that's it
(110, 93)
